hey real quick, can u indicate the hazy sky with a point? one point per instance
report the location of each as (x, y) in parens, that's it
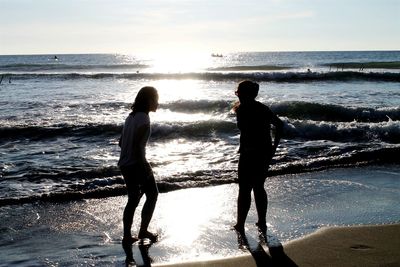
(169, 26)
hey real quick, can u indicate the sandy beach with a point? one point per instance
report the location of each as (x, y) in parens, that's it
(335, 246)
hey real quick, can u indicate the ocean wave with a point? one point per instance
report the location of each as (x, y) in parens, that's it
(193, 130)
(67, 174)
(62, 130)
(362, 157)
(387, 131)
(365, 65)
(334, 113)
(234, 76)
(251, 68)
(184, 106)
(67, 67)
(193, 106)
(113, 186)
(343, 132)
(159, 130)
(291, 109)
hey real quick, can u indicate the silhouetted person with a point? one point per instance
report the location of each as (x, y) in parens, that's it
(254, 121)
(137, 172)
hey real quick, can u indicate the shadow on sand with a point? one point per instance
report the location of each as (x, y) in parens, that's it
(143, 259)
(264, 253)
(274, 257)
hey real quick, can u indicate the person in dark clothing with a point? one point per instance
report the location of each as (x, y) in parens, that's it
(135, 169)
(254, 121)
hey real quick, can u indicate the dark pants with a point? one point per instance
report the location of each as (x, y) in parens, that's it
(252, 173)
(139, 181)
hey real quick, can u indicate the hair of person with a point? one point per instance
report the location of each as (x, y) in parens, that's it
(247, 89)
(142, 100)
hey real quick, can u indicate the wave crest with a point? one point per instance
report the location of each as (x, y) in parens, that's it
(113, 186)
(343, 132)
(334, 113)
(388, 131)
(230, 76)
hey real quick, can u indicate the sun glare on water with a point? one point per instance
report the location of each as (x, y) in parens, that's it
(180, 62)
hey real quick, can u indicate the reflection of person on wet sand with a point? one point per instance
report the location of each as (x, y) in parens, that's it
(135, 169)
(144, 253)
(256, 150)
(272, 256)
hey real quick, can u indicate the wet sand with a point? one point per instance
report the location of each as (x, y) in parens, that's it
(195, 226)
(332, 246)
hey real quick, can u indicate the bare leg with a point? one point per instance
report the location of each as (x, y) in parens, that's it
(243, 206)
(134, 196)
(129, 211)
(151, 191)
(261, 200)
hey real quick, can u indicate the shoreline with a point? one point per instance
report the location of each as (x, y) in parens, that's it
(338, 246)
(120, 190)
(195, 225)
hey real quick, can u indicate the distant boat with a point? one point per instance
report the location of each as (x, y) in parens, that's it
(216, 55)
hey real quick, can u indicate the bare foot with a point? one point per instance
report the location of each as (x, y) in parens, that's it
(146, 234)
(129, 240)
(238, 228)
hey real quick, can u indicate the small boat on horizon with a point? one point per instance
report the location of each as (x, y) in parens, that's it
(216, 55)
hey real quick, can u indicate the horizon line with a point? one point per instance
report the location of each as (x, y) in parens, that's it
(202, 52)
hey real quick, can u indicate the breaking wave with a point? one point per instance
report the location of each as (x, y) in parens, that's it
(334, 113)
(387, 131)
(99, 185)
(220, 76)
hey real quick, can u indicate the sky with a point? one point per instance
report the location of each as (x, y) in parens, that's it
(180, 26)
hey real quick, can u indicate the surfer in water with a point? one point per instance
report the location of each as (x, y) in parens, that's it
(135, 169)
(254, 121)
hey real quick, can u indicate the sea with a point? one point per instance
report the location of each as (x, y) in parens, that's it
(61, 117)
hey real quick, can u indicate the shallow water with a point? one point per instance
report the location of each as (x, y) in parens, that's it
(195, 223)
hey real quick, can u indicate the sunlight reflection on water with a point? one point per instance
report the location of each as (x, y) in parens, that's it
(195, 223)
(180, 62)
